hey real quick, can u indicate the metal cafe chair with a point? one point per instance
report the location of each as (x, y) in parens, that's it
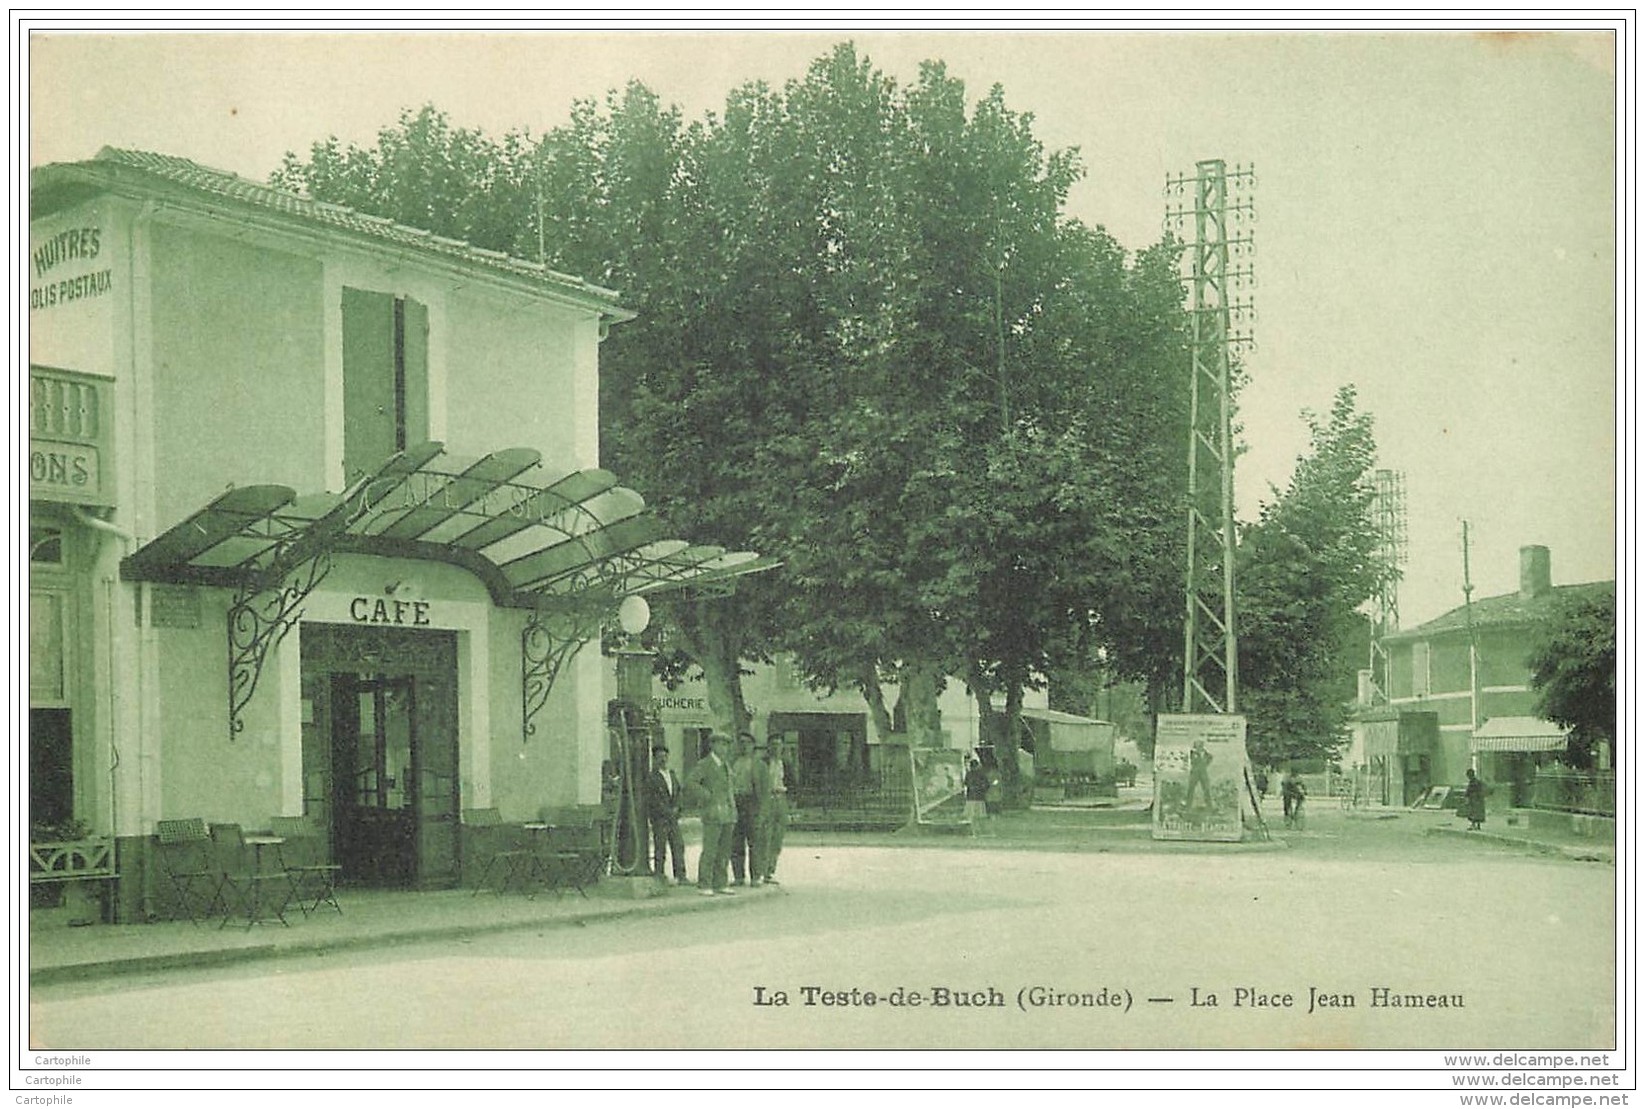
(575, 858)
(186, 858)
(313, 883)
(249, 879)
(514, 859)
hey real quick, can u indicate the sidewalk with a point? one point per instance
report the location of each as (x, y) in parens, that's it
(370, 918)
(1544, 840)
(376, 918)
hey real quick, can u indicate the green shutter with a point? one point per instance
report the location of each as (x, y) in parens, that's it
(368, 381)
(416, 364)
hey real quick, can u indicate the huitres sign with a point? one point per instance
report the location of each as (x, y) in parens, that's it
(1199, 776)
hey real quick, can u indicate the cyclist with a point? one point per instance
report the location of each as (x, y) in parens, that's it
(1292, 795)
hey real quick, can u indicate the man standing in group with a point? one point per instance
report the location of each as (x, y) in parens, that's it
(710, 786)
(745, 769)
(662, 809)
(773, 813)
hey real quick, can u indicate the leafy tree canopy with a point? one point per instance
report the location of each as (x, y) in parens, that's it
(870, 343)
(1573, 670)
(1303, 571)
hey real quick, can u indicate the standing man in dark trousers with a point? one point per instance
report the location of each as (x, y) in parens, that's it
(662, 809)
(709, 785)
(773, 812)
(744, 769)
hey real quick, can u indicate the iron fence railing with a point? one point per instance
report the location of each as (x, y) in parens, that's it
(888, 794)
(1558, 790)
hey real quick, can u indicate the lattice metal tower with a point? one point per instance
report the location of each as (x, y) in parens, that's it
(1218, 268)
(1388, 518)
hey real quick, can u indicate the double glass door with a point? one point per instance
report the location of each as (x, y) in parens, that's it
(374, 741)
(387, 736)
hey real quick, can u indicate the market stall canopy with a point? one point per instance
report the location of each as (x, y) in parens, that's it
(1519, 733)
(1069, 732)
(536, 543)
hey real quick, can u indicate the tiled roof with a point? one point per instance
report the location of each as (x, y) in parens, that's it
(1507, 610)
(113, 164)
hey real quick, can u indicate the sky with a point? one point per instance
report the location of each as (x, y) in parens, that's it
(1436, 211)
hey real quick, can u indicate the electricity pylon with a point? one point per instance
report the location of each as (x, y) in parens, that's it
(1388, 518)
(1221, 321)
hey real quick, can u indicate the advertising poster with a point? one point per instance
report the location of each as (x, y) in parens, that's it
(939, 777)
(1199, 775)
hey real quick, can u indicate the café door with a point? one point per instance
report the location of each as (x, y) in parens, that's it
(391, 736)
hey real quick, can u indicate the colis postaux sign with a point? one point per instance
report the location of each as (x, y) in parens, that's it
(77, 244)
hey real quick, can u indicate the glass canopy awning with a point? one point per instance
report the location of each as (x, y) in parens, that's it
(568, 548)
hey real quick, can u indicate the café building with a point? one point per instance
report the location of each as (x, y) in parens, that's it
(317, 526)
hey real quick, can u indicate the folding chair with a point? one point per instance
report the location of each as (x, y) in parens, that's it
(575, 858)
(248, 879)
(313, 882)
(515, 860)
(187, 861)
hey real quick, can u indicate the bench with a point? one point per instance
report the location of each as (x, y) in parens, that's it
(72, 861)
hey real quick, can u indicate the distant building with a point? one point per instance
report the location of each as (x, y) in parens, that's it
(1482, 704)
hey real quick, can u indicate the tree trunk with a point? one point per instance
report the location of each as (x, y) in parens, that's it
(921, 685)
(869, 683)
(710, 637)
(1013, 789)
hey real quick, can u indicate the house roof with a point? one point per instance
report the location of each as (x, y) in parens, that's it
(1507, 610)
(143, 173)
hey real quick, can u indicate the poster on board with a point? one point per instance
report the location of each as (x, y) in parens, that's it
(1199, 777)
(939, 777)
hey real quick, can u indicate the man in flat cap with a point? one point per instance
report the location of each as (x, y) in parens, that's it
(709, 785)
(662, 809)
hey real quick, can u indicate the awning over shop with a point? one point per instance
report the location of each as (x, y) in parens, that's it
(567, 547)
(535, 543)
(1518, 733)
(1070, 732)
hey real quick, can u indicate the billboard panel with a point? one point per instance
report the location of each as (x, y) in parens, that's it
(1199, 777)
(939, 777)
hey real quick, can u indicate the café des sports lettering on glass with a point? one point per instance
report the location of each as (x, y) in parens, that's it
(454, 493)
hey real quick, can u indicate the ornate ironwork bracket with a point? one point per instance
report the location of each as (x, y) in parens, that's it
(545, 647)
(258, 619)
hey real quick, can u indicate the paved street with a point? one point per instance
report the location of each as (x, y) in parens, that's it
(1485, 947)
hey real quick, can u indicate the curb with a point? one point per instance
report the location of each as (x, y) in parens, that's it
(1576, 852)
(209, 957)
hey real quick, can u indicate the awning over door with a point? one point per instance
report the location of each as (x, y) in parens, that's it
(535, 540)
(569, 548)
(1518, 733)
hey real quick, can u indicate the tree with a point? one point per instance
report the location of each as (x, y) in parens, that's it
(1573, 670)
(1303, 570)
(868, 344)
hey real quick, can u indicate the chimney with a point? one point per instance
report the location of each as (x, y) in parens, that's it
(1535, 575)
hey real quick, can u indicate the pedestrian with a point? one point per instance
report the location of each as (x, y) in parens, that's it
(977, 783)
(1473, 801)
(773, 812)
(662, 810)
(745, 769)
(1292, 794)
(1262, 784)
(709, 786)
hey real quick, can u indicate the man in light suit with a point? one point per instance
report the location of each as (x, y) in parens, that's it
(662, 809)
(709, 785)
